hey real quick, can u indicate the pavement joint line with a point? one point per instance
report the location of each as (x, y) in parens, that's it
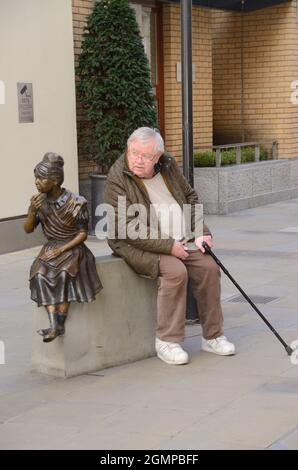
(284, 436)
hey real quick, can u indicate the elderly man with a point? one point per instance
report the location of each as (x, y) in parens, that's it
(147, 176)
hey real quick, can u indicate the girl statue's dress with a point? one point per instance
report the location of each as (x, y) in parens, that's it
(72, 276)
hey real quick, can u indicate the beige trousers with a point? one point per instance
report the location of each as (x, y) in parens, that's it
(172, 290)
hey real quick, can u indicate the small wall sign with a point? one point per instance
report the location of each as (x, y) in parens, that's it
(25, 102)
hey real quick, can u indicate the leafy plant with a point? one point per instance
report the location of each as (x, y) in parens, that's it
(114, 80)
(228, 157)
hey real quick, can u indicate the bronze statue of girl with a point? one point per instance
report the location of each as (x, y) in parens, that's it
(64, 271)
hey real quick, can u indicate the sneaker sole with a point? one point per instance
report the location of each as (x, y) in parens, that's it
(173, 363)
(206, 349)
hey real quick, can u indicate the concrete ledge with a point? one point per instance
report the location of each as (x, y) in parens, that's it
(117, 328)
(236, 187)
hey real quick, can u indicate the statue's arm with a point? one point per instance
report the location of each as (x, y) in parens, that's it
(79, 238)
(32, 219)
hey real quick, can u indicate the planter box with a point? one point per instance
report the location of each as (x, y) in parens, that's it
(236, 187)
(93, 190)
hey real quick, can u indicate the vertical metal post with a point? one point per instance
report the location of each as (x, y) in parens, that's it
(238, 155)
(257, 153)
(187, 115)
(242, 70)
(275, 150)
(218, 157)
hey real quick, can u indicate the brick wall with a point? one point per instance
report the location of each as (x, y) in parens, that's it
(270, 64)
(226, 59)
(270, 60)
(202, 87)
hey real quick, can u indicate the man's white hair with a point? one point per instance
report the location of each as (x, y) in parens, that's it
(144, 135)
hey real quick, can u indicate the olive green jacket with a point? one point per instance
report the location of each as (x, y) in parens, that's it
(143, 254)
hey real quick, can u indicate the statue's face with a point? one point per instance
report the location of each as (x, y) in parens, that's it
(142, 158)
(44, 185)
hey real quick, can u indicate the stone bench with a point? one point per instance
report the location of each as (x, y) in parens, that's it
(117, 328)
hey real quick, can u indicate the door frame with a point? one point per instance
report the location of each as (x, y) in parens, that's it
(157, 8)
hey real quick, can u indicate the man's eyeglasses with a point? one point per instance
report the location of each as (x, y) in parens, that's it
(143, 156)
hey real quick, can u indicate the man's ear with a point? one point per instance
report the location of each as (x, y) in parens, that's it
(160, 154)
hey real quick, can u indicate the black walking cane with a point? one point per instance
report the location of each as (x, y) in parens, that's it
(285, 345)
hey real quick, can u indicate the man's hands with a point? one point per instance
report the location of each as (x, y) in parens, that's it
(36, 202)
(179, 250)
(200, 240)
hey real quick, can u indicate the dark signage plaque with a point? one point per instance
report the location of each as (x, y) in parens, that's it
(25, 102)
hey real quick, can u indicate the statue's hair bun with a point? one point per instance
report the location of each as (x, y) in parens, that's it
(53, 159)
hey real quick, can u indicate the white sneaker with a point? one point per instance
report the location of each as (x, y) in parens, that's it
(219, 346)
(171, 353)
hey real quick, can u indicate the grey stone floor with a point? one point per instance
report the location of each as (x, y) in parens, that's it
(248, 401)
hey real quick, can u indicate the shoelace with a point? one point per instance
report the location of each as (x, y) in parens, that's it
(163, 347)
(219, 339)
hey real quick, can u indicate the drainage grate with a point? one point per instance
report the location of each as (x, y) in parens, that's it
(257, 299)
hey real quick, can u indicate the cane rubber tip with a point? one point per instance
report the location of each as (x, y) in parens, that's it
(289, 350)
